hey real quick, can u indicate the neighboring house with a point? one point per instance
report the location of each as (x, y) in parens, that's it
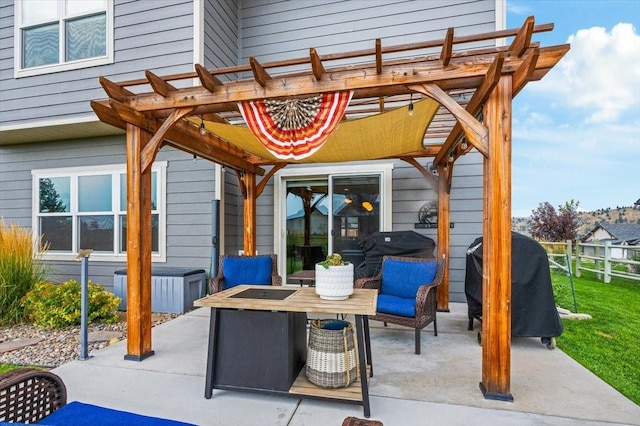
(62, 172)
(619, 234)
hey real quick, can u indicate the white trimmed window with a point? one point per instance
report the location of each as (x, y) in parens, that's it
(86, 208)
(61, 35)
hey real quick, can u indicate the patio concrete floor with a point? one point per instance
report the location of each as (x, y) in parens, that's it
(438, 387)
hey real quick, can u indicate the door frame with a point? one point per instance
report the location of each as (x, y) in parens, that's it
(384, 169)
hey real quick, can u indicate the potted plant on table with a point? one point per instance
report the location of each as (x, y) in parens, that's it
(334, 278)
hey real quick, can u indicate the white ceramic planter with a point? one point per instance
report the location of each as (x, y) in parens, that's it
(334, 283)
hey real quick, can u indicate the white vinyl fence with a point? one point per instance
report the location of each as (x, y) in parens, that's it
(606, 260)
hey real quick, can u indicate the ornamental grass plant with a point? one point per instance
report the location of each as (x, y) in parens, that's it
(20, 269)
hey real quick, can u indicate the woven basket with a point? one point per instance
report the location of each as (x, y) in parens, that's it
(332, 360)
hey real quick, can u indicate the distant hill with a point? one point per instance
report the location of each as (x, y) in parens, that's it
(588, 220)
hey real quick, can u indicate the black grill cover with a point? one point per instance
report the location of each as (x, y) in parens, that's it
(397, 243)
(533, 312)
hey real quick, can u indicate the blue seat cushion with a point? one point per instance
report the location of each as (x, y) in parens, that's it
(402, 278)
(396, 305)
(246, 270)
(81, 414)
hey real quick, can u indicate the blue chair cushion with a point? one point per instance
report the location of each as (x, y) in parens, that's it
(81, 414)
(246, 270)
(396, 305)
(402, 278)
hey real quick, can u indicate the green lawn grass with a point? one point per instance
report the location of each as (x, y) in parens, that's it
(609, 344)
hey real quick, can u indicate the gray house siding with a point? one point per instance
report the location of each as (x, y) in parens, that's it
(158, 35)
(221, 34)
(145, 31)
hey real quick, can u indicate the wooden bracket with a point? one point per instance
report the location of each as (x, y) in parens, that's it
(473, 107)
(426, 173)
(476, 133)
(268, 176)
(151, 149)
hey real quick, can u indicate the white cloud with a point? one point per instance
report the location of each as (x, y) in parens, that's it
(600, 75)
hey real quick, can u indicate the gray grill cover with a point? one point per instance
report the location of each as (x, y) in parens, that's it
(533, 312)
(398, 243)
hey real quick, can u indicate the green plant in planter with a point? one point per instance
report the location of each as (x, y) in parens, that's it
(333, 260)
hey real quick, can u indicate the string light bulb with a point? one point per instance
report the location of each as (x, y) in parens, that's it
(203, 131)
(411, 106)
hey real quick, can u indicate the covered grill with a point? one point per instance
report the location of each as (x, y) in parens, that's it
(533, 308)
(398, 243)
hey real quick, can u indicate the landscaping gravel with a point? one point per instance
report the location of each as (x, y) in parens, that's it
(59, 346)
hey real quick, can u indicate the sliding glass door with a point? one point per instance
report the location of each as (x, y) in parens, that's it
(329, 214)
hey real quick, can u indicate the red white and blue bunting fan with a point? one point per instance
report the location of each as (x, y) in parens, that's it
(295, 128)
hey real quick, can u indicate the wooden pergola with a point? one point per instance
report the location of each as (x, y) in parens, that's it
(474, 88)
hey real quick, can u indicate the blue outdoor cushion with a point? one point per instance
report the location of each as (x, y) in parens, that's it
(396, 305)
(81, 414)
(246, 270)
(402, 279)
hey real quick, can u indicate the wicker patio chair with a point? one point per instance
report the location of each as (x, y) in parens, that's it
(29, 395)
(407, 292)
(234, 270)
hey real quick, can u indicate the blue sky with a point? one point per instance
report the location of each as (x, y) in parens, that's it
(576, 132)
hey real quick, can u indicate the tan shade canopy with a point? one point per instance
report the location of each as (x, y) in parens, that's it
(385, 135)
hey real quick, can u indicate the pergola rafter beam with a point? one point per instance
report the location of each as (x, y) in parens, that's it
(447, 48)
(522, 40)
(259, 73)
(316, 64)
(525, 71)
(114, 91)
(378, 56)
(472, 38)
(159, 86)
(364, 81)
(208, 80)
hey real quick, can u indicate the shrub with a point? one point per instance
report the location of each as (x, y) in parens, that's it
(58, 305)
(20, 269)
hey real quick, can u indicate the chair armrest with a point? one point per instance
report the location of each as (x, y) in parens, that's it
(427, 300)
(372, 283)
(29, 395)
(276, 280)
(216, 284)
(427, 295)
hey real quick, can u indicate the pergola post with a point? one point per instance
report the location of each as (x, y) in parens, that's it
(496, 247)
(139, 232)
(444, 232)
(250, 195)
